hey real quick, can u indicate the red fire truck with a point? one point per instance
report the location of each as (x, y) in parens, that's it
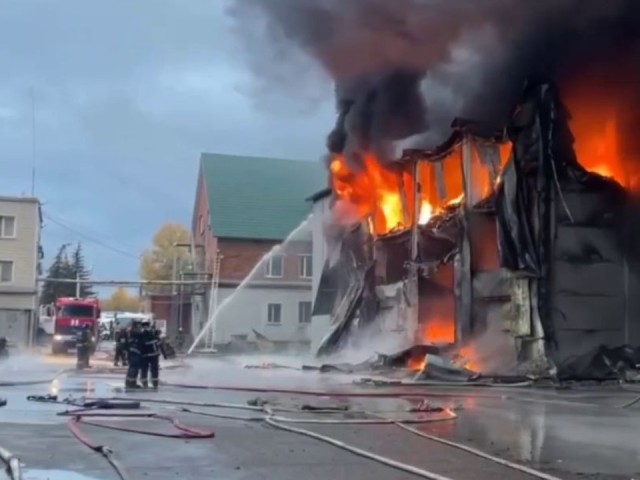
(70, 315)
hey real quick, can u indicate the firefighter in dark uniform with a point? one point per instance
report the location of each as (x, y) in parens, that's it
(134, 348)
(121, 339)
(152, 348)
(4, 348)
(83, 346)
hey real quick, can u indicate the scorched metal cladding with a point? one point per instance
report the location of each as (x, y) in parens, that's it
(504, 250)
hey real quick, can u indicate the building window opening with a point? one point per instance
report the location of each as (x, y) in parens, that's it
(275, 266)
(6, 271)
(305, 266)
(274, 313)
(7, 226)
(304, 312)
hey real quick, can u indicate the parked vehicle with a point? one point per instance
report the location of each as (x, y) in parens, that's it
(70, 315)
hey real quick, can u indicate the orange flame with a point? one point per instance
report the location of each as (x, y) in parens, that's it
(417, 364)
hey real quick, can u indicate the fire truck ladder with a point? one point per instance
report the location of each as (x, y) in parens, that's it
(209, 338)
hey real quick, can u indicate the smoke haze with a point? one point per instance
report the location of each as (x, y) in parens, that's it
(405, 67)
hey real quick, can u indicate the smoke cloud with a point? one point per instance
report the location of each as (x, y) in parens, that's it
(405, 67)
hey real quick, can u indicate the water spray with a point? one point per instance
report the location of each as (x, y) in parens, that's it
(227, 301)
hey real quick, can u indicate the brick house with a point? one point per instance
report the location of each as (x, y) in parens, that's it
(244, 207)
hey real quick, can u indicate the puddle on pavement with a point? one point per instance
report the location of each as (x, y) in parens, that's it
(54, 475)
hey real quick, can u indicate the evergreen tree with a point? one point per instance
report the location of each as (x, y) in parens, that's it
(61, 267)
(81, 271)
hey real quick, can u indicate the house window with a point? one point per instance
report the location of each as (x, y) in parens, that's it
(7, 226)
(305, 266)
(274, 266)
(6, 271)
(274, 313)
(304, 312)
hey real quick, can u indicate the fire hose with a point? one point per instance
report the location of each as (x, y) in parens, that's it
(91, 407)
(378, 394)
(280, 422)
(77, 418)
(36, 382)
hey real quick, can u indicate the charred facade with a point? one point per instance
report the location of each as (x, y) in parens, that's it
(501, 247)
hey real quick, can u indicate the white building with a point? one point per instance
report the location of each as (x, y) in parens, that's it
(20, 256)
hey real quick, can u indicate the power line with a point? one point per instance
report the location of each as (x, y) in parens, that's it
(109, 239)
(90, 238)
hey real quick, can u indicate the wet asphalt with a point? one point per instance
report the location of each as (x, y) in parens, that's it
(578, 433)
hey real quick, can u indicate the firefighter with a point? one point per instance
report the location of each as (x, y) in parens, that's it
(121, 339)
(4, 349)
(83, 346)
(180, 338)
(152, 349)
(134, 356)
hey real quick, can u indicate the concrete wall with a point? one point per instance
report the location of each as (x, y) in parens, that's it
(18, 298)
(247, 310)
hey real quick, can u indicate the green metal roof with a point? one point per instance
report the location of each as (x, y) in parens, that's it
(259, 198)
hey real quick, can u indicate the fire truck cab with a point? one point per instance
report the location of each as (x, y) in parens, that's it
(70, 315)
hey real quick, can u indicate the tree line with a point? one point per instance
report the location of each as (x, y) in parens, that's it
(66, 265)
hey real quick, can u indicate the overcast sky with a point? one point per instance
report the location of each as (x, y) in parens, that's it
(127, 94)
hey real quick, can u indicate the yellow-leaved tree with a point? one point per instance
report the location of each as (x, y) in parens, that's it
(121, 301)
(167, 252)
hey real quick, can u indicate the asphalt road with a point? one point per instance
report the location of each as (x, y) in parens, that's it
(575, 434)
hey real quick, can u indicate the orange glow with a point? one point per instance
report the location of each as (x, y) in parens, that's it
(439, 331)
(384, 193)
(595, 124)
(376, 191)
(467, 358)
(417, 364)
(426, 212)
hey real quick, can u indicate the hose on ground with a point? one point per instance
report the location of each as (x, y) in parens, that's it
(27, 383)
(12, 463)
(103, 450)
(280, 422)
(358, 451)
(183, 432)
(479, 453)
(363, 421)
(378, 394)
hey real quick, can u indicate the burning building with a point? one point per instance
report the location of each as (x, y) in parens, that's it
(506, 246)
(509, 238)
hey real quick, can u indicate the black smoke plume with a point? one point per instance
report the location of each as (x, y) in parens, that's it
(404, 67)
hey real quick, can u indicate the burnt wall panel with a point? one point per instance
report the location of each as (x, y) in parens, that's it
(488, 285)
(589, 279)
(633, 314)
(587, 245)
(589, 312)
(488, 312)
(584, 207)
(576, 342)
